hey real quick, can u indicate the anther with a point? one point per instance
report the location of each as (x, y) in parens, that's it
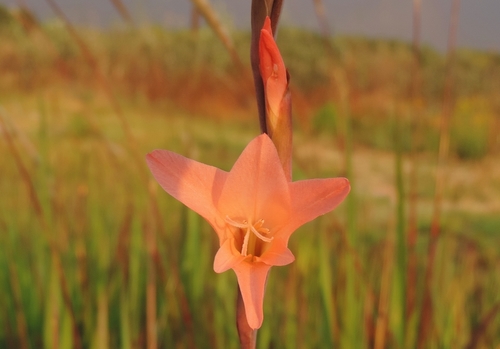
(256, 229)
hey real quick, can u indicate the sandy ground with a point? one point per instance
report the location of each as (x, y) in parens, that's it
(472, 186)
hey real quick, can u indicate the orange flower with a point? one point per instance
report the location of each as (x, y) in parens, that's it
(253, 209)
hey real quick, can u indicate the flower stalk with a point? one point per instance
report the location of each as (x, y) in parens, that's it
(248, 335)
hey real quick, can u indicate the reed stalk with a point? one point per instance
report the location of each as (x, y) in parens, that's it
(383, 309)
(205, 9)
(123, 11)
(151, 294)
(21, 323)
(351, 331)
(481, 328)
(23, 170)
(324, 25)
(102, 80)
(195, 20)
(416, 127)
(426, 318)
(325, 30)
(401, 244)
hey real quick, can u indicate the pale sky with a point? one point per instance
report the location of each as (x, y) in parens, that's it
(479, 19)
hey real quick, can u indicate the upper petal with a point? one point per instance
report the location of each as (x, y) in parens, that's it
(196, 185)
(252, 281)
(256, 187)
(312, 198)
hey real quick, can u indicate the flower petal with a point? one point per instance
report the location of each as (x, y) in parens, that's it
(312, 198)
(227, 256)
(196, 185)
(252, 281)
(277, 254)
(256, 187)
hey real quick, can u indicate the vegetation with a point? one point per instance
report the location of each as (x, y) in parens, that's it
(94, 255)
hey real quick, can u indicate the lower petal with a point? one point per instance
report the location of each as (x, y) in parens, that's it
(277, 254)
(227, 257)
(252, 278)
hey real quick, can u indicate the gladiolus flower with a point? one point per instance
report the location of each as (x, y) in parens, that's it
(253, 209)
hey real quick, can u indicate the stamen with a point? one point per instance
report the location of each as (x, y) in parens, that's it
(244, 247)
(243, 225)
(255, 228)
(259, 224)
(260, 236)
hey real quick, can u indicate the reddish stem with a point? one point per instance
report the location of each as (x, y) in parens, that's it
(248, 336)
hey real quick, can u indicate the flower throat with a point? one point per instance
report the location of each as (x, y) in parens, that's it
(252, 232)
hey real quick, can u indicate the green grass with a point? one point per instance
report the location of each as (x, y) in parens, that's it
(99, 215)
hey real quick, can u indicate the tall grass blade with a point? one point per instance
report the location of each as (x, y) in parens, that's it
(21, 323)
(352, 333)
(125, 326)
(399, 294)
(101, 339)
(416, 137)
(482, 326)
(382, 322)
(326, 288)
(319, 8)
(123, 11)
(52, 316)
(93, 63)
(25, 174)
(151, 296)
(204, 8)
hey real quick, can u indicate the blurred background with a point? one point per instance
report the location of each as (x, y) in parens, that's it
(401, 98)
